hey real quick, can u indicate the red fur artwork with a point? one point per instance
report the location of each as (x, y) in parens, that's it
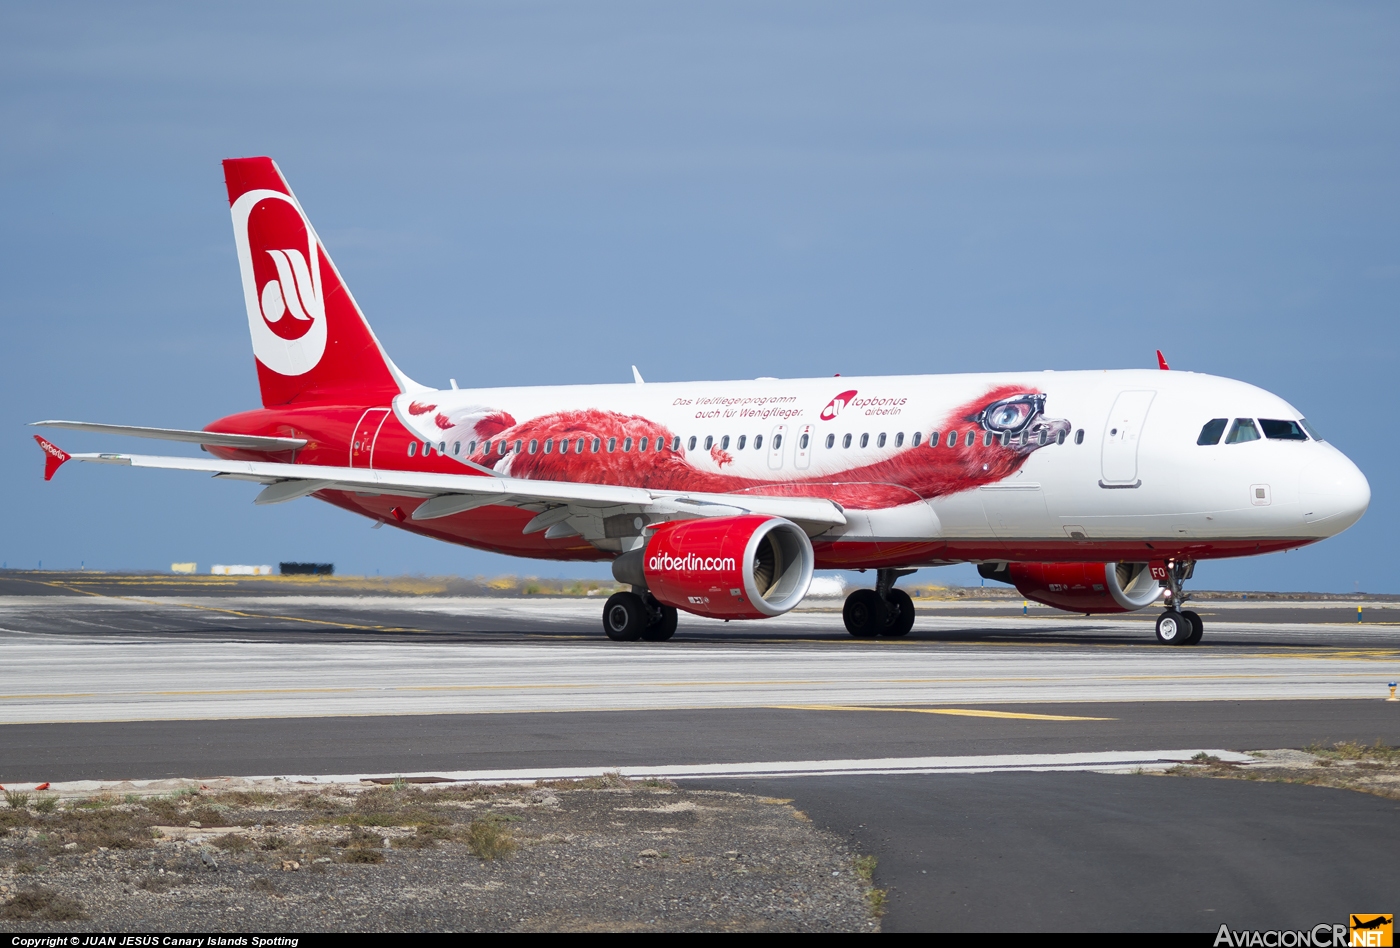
(992, 436)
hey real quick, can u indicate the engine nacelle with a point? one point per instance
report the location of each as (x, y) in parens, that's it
(748, 567)
(1081, 587)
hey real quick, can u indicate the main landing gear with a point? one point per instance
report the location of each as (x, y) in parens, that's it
(1178, 626)
(883, 610)
(628, 617)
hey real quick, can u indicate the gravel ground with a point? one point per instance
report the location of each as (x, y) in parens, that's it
(606, 854)
(1347, 765)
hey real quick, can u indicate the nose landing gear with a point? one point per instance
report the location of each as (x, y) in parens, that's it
(883, 610)
(1178, 626)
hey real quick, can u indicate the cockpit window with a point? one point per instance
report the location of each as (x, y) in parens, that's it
(1242, 430)
(1312, 432)
(1282, 430)
(1213, 429)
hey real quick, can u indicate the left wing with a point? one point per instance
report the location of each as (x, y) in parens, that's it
(565, 508)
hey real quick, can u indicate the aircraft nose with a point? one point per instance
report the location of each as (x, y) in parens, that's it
(1334, 493)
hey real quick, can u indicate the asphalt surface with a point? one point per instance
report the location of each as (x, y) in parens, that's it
(457, 742)
(1093, 852)
(194, 668)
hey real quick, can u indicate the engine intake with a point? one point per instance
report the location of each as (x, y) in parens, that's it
(1080, 587)
(747, 567)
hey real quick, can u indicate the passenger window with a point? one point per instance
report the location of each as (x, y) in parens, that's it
(1282, 430)
(626, 444)
(442, 448)
(486, 447)
(534, 445)
(427, 448)
(899, 440)
(691, 446)
(1079, 436)
(952, 439)
(578, 446)
(1212, 430)
(830, 441)
(932, 439)
(517, 446)
(1060, 438)
(596, 443)
(864, 440)
(456, 448)
(642, 445)
(709, 442)
(548, 445)
(612, 445)
(987, 439)
(880, 441)
(757, 442)
(846, 441)
(471, 447)
(563, 446)
(412, 448)
(777, 441)
(803, 442)
(1312, 432)
(724, 443)
(1242, 430)
(971, 438)
(740, 445)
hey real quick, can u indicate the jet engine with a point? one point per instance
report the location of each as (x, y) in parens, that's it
(1080, 587)
(747, 567)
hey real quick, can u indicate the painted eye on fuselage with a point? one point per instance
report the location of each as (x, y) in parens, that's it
(1012, 414)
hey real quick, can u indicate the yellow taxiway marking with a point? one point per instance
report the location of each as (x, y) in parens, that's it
(958, 712)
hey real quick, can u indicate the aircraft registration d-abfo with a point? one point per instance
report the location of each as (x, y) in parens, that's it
(1093, 492)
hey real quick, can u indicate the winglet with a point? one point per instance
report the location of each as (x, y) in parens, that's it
(54, 456)
(1162, 361)
(637, 376)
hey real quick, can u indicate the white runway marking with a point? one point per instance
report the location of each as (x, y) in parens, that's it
(60, 678)
(1100, 762)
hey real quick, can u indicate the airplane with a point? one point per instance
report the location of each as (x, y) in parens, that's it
(1089, 491)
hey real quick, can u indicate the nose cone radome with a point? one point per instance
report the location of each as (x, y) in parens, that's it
(1334, 493)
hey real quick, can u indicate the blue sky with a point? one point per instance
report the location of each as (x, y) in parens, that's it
(522, 193)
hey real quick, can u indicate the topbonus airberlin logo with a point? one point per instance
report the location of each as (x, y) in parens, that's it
(690, 563)
(296, 291)
(833, 407)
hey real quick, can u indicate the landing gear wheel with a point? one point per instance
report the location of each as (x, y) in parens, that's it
(1197, 626)
(625, 617)
(1173, 628)
(900, 609)
(663, 628)
(865, 613)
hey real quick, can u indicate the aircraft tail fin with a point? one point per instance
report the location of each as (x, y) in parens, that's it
(312, 343)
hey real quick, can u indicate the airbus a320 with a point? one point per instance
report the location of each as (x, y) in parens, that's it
(1092, 492)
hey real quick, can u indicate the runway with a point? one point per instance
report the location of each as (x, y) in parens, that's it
(126, 682)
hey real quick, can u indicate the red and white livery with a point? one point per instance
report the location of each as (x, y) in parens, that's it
(1089, 491)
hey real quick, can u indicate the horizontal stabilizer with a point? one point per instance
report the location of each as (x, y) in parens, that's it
(214, 438)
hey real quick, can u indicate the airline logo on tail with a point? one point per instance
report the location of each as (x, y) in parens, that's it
(280, 280)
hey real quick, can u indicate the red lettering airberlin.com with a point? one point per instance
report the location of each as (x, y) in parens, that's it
(691, 563)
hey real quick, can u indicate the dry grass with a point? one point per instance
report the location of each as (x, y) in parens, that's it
(42, 904)
(487, 839)
(875, 898)
(1345, 765)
